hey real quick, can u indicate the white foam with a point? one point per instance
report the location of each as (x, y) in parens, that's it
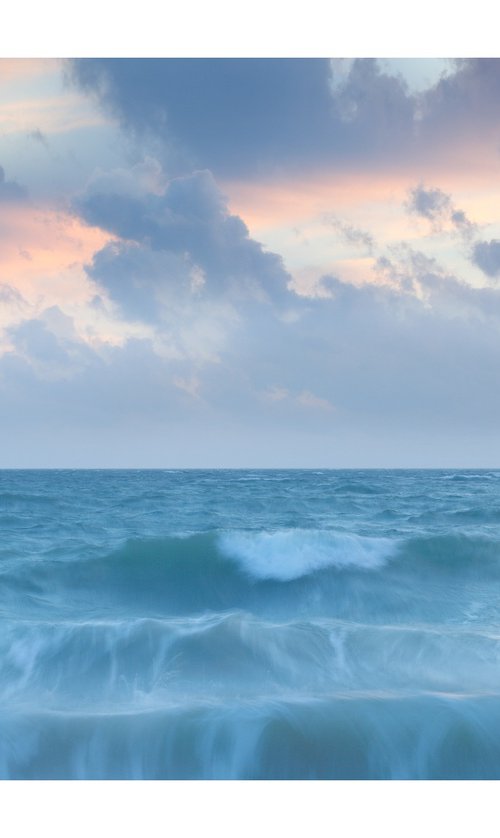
(290, 554)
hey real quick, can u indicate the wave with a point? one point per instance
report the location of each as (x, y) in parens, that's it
(290, 554)
(286, 571)
(370, 737)
(118, 662)
(250, 625)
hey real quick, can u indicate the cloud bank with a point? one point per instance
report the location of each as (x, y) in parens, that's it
(169, 335)
(243, 116)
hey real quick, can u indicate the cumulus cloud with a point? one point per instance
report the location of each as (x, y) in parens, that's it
(486, 255)
(438, 208)
(429, 203)
(176, 242)
(49, 345)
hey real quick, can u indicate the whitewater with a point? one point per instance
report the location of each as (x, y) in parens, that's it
(232, 624)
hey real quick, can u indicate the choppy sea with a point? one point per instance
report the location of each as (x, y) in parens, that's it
(250, 624)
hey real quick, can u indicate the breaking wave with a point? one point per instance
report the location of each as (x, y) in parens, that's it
(250, 625)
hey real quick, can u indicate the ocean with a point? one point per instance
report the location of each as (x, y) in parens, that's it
(234, 624)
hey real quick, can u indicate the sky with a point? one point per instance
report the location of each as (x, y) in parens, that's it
(249, 263)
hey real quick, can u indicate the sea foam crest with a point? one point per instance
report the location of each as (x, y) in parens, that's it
(290, 554)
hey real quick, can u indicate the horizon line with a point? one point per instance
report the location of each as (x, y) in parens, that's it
(249, 468)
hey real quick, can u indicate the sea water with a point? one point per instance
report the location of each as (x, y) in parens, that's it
(250, 624)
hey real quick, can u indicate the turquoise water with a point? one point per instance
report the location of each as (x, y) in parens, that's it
(250, 624)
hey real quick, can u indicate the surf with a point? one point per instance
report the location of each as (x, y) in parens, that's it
(249, 625)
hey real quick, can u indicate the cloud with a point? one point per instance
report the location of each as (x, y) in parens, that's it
(225, 114)
(177, 242)
(369, 96)
(362, 366)
(352, 235)
(254, 116)
(437, 207)
(465, 100)
(139, 279)
(13, 309)
(10, 191)
(199, 342)
(38, 137)
(429, 203)
(10, 296)
(49, 346)
(242, 117)
(486, 255)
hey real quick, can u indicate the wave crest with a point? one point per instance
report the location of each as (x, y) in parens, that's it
(290, 554)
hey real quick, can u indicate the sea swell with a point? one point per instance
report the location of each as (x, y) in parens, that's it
(179, 626)
(113, 662)
(366, 737)
(309, 573)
